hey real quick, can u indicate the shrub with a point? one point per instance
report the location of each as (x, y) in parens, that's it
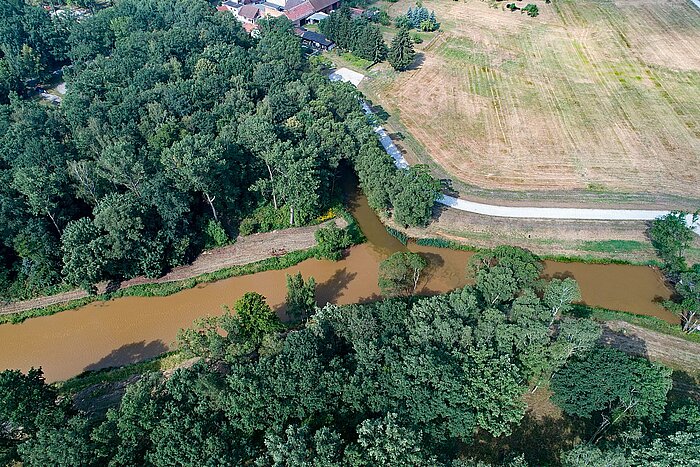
(331, 242)
(531, 10)
(214, 235)
(400, 236)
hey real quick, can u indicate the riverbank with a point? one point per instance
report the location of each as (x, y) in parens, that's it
(254, 253)
(619, 242)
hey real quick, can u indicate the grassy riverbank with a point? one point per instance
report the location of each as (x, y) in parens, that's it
(162, 289)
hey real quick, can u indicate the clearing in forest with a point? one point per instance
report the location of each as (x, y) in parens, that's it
(590, 95)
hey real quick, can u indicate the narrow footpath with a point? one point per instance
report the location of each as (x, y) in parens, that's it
(246, 250)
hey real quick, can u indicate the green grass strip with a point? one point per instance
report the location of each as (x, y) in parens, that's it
(162, 362)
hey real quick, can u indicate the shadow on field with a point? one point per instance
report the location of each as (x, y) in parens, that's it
(418, 62)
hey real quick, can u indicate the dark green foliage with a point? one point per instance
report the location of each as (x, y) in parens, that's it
(671, 236)
(357, 35)
(331, 242)
(301, 296)
(31, 44)
(531, 10)
(401, 53)
(687, 302)
(611, 387)
(176, 127)
(420, 18)
(400, 236)
(400, 273)
(392, 382)
(413, 196)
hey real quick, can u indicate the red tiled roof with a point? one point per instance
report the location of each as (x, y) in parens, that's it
(301, 11)
(249, 12)
(221, 8)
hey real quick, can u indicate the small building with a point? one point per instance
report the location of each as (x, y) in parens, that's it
(316, 18)
(314, 39)
(300, 13)
(248, 14)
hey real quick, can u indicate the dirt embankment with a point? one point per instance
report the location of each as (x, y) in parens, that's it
(635, 340)
(246, 250)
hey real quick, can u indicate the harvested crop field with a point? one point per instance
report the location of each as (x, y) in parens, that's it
(590, 95)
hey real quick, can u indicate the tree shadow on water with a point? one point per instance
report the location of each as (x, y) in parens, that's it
(128, 354)
(559, 275)
(330, 290)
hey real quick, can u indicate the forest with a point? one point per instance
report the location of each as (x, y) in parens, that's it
(178, 131)
(404, 381)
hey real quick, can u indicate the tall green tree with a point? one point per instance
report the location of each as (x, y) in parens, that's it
(671, 236)
(611, 387)
(400, 273)
(301, 296)
(687, 306)
(401, 52)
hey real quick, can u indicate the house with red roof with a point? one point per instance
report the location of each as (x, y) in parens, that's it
(298, 14)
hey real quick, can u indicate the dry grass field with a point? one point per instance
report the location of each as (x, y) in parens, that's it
(592, 95)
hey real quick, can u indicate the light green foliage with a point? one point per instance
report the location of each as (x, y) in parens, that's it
(214, 234)
(331, 242)
(400, 273)
(401, 53)
(589, 455)
(300, 447)
(255, 317)
(386, 442)
(301, 296)
(671, 236)
(559, 295)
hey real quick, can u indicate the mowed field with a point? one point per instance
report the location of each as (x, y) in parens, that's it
(591, 95)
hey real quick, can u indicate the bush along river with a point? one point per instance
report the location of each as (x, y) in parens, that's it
(131, 329)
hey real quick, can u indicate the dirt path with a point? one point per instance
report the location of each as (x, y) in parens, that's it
(246, 250)
(634, 340)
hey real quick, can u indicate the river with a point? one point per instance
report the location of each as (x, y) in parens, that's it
(131, 329)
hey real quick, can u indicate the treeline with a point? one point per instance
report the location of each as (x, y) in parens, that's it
(672, 235)
(176, 129)
(397, 382)
(358, 35)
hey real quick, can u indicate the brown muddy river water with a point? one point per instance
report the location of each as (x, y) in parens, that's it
(131, 329)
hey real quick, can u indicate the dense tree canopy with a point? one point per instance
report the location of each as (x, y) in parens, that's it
(177, 128)
(401, 382)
